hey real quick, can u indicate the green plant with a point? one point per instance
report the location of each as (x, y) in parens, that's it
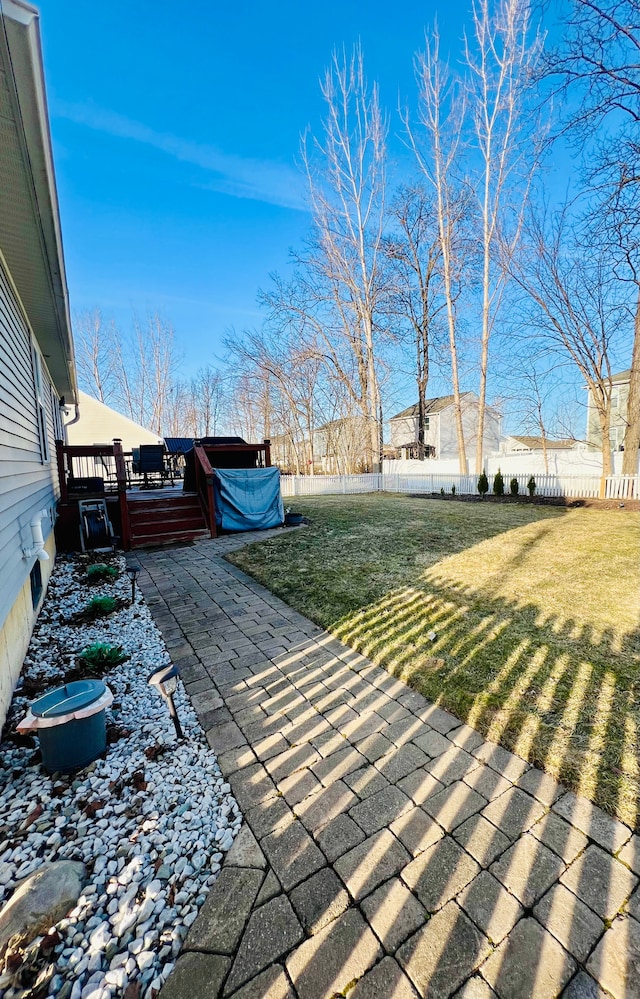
(101, 572)
(498, 484)
(531, 486)
(453, 490)
(483, 484)
(514, 487)
(101, 606)
(101, 655)
(442, 490)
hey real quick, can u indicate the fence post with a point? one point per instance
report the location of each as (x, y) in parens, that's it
(121, 475)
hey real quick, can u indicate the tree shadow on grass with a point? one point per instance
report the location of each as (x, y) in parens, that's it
(551, 690)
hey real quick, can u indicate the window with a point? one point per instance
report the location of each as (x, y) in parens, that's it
(615, 398)
(40, 408)
(426, 423)
(36, 584)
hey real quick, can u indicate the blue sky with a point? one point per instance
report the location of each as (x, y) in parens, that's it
(176, 130)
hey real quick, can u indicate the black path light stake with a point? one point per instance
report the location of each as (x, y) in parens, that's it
(133, 570)
(165, 680)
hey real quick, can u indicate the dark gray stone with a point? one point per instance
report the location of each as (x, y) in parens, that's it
(400, 762)
(432, 743)
(584, 987)
(271, 984)
(338, 836)
(340, 763)
(222, 918)
(318, 809)
(559, 836)
(514, 812)
(490, 906)
(251, 786)
(366, 781)
(610, 834)
(481, 839)
(196, 976)
(335, 957)
(375, 860)
(443, 953)
(529, 962)
(416, 830)
(272, 931)
(527, 869)
(393, 913)
(270, 814)
(452, 806)
(292, 854)
(570, 921)
(245, 851)
(615, 963)
(601, 881)
(440, 873)
(384, 981)
(319, 900)
(379, 810)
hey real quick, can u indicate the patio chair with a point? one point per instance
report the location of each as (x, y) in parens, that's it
(152, 462)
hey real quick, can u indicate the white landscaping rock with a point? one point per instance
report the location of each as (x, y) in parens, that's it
(149, 829)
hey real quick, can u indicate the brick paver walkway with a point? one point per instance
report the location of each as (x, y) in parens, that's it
(388, 851)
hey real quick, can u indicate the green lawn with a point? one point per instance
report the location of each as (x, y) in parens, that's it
(536, 612)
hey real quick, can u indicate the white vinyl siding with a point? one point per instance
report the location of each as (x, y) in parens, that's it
(27, 484)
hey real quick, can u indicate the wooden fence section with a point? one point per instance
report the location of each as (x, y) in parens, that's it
(570, 486)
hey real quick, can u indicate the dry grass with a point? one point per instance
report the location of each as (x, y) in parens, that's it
(536, 611)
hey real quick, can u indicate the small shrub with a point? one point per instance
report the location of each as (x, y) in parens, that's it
(101, 655)
(101, 572)
(100, 606)
(514, 487)
(453, 490)
(483, 484)
(442, 490)
(531, 486)
(498, 484)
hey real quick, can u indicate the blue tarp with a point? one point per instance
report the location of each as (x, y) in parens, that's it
(247, 499)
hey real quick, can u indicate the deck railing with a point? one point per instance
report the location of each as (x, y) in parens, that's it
(204, 488)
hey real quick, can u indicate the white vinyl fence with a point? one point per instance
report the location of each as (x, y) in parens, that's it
(571, 486)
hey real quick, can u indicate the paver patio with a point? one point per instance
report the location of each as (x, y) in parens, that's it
(387, 849)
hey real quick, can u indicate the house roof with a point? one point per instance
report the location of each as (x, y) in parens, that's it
(431, 406)
(99, 424)
(622, 376)
(30, 239)
(535, 443)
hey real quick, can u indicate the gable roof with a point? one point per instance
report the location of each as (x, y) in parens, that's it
(535, 443)
(431, 406)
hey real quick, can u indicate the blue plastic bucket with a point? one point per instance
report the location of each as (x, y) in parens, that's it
(72, 743)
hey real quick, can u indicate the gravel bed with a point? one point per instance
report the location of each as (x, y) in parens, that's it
(151, 821)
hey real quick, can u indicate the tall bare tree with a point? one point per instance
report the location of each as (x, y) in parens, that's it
(345, 167)
(437, 146)
(578, 314)
(502, 60)
(414, 283)
(599, 61)
(94, 340)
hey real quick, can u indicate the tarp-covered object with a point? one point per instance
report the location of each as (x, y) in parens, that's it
(248, 499)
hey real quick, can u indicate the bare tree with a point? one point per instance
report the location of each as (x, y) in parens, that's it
(345, 169)
(94, 341)
(599, 61)
(502, 60)
(415, 282)
(437, 147)
(577, 315)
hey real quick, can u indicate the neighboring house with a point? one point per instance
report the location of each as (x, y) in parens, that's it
(440, 435)
(619, 400)
(535, 445)
(342, 447)
(99, 424)
(290, 455)
(37, 373)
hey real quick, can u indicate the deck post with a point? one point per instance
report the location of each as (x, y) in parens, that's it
(267, 452)
(121, 475)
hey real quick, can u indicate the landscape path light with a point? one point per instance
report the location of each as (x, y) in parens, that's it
(165, 680)
(133, 570)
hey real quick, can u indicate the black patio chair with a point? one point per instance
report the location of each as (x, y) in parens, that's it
(151, 462)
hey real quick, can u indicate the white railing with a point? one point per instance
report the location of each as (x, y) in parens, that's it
(570, 486)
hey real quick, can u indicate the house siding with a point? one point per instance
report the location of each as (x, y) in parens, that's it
(28, 484)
